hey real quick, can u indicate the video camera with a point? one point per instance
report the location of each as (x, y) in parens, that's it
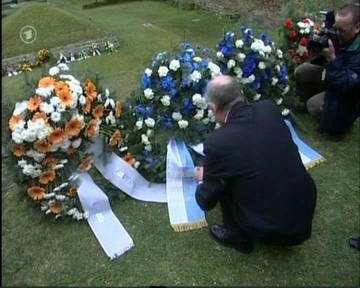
(320, 41)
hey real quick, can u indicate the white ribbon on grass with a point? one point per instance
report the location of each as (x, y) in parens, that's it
(107, 228)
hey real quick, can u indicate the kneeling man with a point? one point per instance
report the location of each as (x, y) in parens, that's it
(253, 169)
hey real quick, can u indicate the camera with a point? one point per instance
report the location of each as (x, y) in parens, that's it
(320, 41)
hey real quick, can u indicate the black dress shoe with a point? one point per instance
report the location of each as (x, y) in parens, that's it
(228, 238)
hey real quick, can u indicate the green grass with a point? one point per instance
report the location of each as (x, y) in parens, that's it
(36, 251)
(55, 27)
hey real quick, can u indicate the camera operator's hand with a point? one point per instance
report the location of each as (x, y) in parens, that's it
(329, 52)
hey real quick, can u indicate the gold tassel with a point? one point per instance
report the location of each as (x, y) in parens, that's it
(189, 226)
(314, 163)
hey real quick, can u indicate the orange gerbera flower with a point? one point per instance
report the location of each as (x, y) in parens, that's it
(56, 207)
(92, 128)
(115, 138)
(13, 121)
(47, 176)
(50, 162)
(57, 136)
(73, 127)
(118, 109)
(40, 115)
(90, 90)
(86, 164)
(19, 150)
(42, 146)
(34, 103)
(72, 192)
(63, 91)
(129, 158)
(87, 106)
(98, 112)
(46, 82)
(36, 192)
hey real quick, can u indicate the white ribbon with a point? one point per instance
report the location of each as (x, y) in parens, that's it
(107, 228)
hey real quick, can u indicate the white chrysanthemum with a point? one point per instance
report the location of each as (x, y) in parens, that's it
(262, 65)
(76, 143)
(145, 139)
(274, 81)
(148, 93)
(176, 116)
(55, 116)
(148, 72)
(215, 69)
(139, 124)
(285, 112)
(20, 107)
(183, 124)
(148, 148)
(257, 97)
(44, 92)
(61, 108)
(150, 122)
(165, 100)
(82, 100)
(286, 90)
(241, 56)
(163, 71)
(231, 63)
(54, 71)
(219, 55)
(267, 49)
(29, 135)
(46, 108)
(195, 76)
(55, 101)
(174, 65)
(239, 43)
(279, 101)
(196, 98)
(199, 114)
(63, 67)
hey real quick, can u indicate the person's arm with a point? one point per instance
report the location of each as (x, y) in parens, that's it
(212, 188)
(342, 78)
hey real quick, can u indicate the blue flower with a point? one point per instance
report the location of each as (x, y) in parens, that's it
(168, 122)
(145, 111)
(266, 39)
(146, 81)
(226, 48)
(229, 37)
(250, 64)
(149, 158)
(188, 106)
(167, 83)
(204, 64)
(247, 33)
(283, 73)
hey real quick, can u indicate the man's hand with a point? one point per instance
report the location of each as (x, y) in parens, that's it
(329, 53)
(199, 173)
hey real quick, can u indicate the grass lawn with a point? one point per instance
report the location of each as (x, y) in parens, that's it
(38, 252)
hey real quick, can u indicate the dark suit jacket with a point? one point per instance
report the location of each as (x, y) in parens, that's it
(253, 160)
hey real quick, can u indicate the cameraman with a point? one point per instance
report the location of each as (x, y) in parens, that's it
(332, 90)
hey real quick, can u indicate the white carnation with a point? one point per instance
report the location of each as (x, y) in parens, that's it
(165, 100)
(215, 69)
(219, 55)
(239, 43)
(174, 65)
(195, 76)
(183, 124)
(139, 124)
(163, 71)
(55, 101)
(199, 114)
(56, 116)
(54, 71)
(46, 108)
(76, 143)
(150, 122)
(241, 57)
(176, 116)
(262, 65)
(148, 93)
(274, 81)
(148, 72)
(231, 63)
(17, 137)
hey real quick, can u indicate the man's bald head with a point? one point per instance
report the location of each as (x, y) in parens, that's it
(224, 91)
